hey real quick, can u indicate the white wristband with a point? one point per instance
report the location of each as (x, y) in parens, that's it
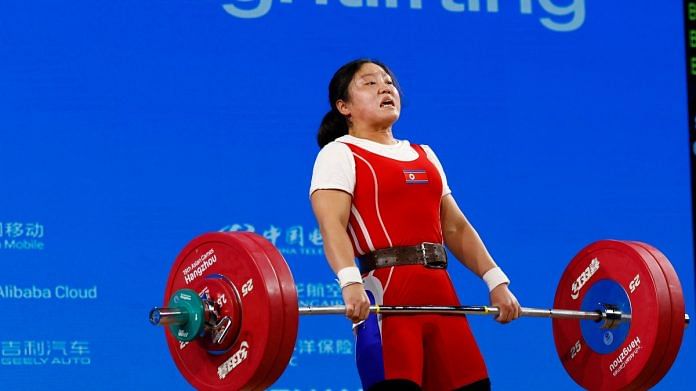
(495, 277)
(348, 276)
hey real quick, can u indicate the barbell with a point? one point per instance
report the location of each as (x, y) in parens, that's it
(231, 310)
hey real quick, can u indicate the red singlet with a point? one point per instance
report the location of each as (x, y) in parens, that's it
(397, 203)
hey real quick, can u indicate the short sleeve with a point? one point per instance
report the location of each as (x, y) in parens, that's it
(433, 158)
(334, 168)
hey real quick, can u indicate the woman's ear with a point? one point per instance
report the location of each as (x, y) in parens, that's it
(343, 107)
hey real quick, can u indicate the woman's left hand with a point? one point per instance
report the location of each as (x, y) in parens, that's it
(502, 298)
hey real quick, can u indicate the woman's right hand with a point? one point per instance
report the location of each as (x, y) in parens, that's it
(357, 302)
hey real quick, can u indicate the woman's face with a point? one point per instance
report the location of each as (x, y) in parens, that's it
(373, 100)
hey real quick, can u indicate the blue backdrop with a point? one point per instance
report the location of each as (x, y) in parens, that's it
(129, 127)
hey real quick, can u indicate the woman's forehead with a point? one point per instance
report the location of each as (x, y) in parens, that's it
(371, 69)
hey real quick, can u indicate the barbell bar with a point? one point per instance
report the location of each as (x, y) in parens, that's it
(232, 311)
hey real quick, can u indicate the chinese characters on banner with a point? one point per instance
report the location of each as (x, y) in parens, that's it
(40, 352)
(292, 240)
(21, 236)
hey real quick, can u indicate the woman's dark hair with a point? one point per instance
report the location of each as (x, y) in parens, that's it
(334, 124)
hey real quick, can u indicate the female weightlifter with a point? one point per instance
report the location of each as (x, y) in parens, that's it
(386, 202)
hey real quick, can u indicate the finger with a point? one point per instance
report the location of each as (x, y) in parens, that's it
(350, 310)
(508, 314)
(502, 314)
(355, 317)
(511, 313)
(499, 316)
(357, 313)
(360, 311)
(365, 313)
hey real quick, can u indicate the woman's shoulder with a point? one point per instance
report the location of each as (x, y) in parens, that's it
(335, 147)
(416, 145)
(426, 147)
(334, 153)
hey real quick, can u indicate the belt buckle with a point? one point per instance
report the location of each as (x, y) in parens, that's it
(427, 262)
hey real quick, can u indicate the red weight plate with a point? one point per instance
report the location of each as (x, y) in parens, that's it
(663, 326)
(628, 365)
(290, 306)
(268, 372)
(248, 269)
(676, 330)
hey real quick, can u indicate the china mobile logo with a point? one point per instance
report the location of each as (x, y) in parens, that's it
(563, 18)
(16, 235)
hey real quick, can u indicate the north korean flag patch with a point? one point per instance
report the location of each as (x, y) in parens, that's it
(415, 177)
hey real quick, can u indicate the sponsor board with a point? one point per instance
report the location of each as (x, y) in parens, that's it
(21, 236)
(290, 240)
(45, 353)
(57, 292)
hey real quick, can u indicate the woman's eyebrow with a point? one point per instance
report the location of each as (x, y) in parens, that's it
(383, 74)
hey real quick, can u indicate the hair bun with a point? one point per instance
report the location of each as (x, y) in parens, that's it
(333, 126)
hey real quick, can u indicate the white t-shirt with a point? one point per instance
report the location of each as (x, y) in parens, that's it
(334, 167)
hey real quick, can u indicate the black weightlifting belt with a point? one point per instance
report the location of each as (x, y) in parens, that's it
(430, 255)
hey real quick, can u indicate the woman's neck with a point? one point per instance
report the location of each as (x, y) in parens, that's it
(378, 135)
